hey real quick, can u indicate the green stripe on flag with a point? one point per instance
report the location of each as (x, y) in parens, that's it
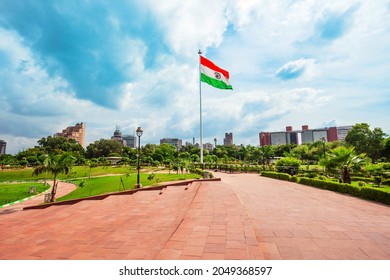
(215, 83)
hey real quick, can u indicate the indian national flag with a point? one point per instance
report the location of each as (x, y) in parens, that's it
(213, 75)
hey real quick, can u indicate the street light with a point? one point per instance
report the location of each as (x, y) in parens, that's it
(139, 134)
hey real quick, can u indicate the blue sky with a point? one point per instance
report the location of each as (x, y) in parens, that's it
(135, 63)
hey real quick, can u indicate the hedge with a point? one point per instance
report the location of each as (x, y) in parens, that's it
(363, 179)
(276, 175)
(386, 182)
(201, 172)
(363, 192)
(332, 186)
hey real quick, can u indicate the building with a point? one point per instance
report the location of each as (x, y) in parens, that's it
(208, 146)
(131, 140)
(117, 135)
(332, 134)
(76, 132)
(3, 147)
(265, 138)
(313, 135)
(342, 132)
(307, 135)
(173, 141)
(228, 140)
(278, 138)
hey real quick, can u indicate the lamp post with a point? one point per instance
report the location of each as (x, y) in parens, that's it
(139, 134)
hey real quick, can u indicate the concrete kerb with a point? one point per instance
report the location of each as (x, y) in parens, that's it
(128, 192)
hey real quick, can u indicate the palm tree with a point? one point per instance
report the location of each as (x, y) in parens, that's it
(343, 160)
(55, 165)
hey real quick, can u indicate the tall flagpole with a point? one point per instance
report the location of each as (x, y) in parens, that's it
(200, 112)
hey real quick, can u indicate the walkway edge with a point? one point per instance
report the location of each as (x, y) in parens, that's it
(129, 192)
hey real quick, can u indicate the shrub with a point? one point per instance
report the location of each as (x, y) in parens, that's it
(363, 192)
(375, 194)
(288, 165)
(363, 179)
(294, 179)
(386, 182)
(386, 166)
(276, 175)
(361, 184)
(332, 186)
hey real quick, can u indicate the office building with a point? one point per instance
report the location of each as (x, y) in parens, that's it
(130, 140)
(278, 138)
(342, 132)
(3, 147)
(76, 132)
(173, 141)
(228, 140)
(208, 146)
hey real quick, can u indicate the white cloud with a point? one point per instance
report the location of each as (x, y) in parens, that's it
(191, 25)
(344, 79)
(295, 69)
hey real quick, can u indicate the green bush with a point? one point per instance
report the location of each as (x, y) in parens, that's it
(294, 179)
(386, 166)
(375, 194)
(276, 175)
(386, 182)
(289, 165)
(363, 179)
(332, 186)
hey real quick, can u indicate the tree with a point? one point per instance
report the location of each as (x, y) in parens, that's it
(301, 152)
(103, 147)
(344, 160)
(266, 153)
(366, 141)
(386, 150)
(55, 165)
(57, 145)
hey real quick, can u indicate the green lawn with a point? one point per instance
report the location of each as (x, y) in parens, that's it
(77, 172)
(382, 187)
(101, 185)
(16, 191)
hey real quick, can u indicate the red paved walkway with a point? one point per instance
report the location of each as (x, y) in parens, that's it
(242, 217)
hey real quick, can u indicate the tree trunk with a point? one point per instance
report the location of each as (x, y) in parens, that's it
(53, 190)
(346, 176)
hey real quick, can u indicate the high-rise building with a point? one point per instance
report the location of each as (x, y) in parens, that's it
(313, 135)
(265, 138)
(173, 141)
(76, 132)
(117, 134)
(332, 134)
(228, 140)
(278, 138)
(130, 140)
(3, 147)
(208, 146)
(342, 131)
(307, 135)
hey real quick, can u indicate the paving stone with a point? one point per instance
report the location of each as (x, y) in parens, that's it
(244, 216)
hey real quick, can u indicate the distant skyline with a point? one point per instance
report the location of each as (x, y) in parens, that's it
(132, 63)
